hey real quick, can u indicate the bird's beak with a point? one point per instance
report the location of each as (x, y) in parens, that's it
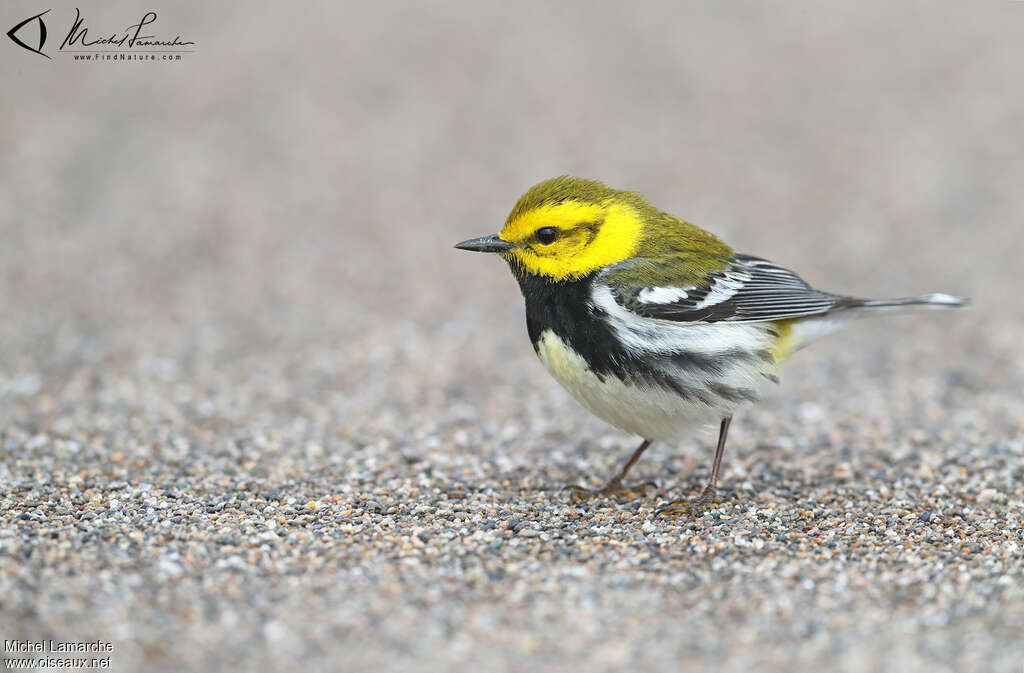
(491, 243)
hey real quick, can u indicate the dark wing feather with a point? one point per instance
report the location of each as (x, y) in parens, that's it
(749, 290)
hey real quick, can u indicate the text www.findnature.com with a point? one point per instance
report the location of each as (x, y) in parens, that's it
(127, 57)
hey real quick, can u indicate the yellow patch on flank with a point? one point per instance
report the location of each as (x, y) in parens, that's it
(590, 236)
(783, 346)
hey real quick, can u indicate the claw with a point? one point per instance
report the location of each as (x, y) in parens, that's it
(613, 487)
(692, 507)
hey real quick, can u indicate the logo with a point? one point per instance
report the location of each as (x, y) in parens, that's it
(13, 33)
(138, 41)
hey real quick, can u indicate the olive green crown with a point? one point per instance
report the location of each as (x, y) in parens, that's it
(560, 189)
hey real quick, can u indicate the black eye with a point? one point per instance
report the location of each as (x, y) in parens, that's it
(547, 235)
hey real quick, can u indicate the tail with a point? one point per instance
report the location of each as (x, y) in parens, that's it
(808, 330)
(928, 302)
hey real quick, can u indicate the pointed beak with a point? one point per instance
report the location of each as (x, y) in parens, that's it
(491, 243)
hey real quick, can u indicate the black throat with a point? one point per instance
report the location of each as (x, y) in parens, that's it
(566, 308)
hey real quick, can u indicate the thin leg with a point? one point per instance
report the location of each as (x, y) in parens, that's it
(614, 485)
(706, 496)
(617, 479)
(716, 466)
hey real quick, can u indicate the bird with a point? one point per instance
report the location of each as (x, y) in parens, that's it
(653, 324)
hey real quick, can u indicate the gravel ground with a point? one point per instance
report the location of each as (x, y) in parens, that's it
(256, 413)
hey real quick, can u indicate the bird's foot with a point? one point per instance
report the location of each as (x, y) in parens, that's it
(692, 507)
(614, 487)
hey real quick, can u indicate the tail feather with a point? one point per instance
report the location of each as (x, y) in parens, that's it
(808, 330)
(927, 301)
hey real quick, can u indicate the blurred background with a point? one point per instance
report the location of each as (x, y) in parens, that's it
(239, 266)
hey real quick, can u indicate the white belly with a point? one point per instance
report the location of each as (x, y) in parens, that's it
(653, 412)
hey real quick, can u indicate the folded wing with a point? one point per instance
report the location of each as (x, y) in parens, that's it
(750, 289)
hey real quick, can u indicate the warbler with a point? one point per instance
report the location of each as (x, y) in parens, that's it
(652, 323)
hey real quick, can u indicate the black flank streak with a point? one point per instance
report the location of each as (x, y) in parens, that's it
(733, 394)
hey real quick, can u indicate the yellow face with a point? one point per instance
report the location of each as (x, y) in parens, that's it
(570, 239)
